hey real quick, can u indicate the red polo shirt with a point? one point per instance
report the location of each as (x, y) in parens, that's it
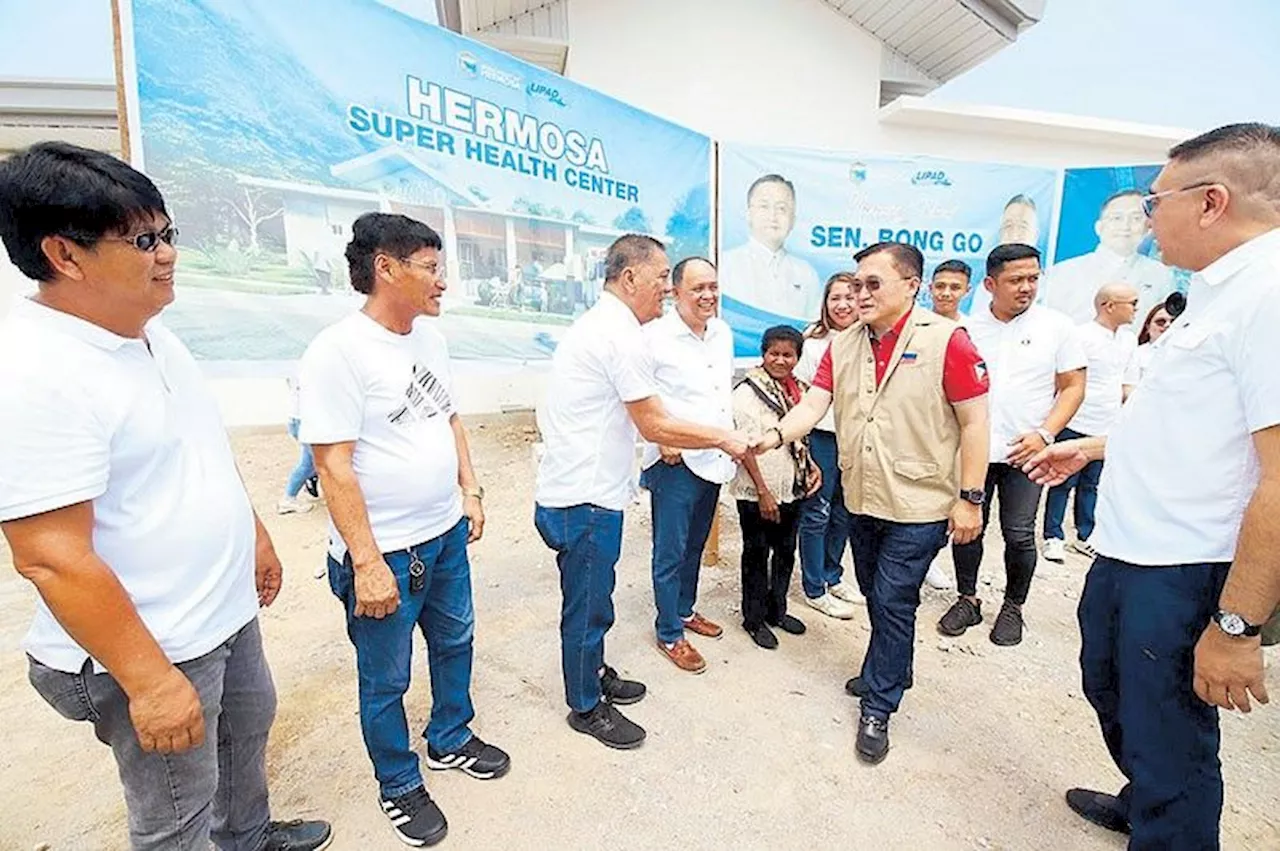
(964, 374)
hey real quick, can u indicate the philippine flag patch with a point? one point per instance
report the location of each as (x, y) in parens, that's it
(980, 370)
(908, 357)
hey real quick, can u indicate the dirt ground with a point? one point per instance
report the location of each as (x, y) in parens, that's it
(755, 753)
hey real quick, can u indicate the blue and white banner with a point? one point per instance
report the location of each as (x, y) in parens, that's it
(271, 126)
(1104, 237)
(791, 218)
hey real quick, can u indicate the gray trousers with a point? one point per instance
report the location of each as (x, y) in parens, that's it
(218, 791)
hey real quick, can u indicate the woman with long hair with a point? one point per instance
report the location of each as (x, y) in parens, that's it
(824, 522)
(1152, 327)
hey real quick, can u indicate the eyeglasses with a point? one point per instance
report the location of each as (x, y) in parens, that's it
(1160, 322)
(1126, 302)
(1152, 200)
(148, 240)
(871, 286)
(432, 268)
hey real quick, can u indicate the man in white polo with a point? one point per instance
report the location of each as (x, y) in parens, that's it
(1111, 348)
(600, 391)
(121, 502)
(1037, 369)
(692, 351)
(1188, 545)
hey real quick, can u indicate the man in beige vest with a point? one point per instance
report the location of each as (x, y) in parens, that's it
(909, 391)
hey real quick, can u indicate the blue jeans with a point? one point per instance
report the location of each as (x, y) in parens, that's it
(1138, 628)
(683, 507)
(587, 540)
(442, 610)
(890, 561)
(306, 466)
(824, 521)
(1086, 484)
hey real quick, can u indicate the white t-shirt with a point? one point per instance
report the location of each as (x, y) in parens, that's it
(807, 368)
(390, 394)
(1113, 364)
(694, 376)
(774, 281)
(129, 425)
(1181, 463)
(1023, 357)
(1069, 286)
(602, 363)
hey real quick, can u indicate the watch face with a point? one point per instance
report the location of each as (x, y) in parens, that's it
(1231, 623)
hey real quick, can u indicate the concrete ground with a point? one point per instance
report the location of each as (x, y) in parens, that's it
(755, 753)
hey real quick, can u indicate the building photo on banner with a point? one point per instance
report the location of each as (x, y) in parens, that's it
(270, 129)
(1104, 237)
(790, 218)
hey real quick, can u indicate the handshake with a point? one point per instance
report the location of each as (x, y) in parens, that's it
(739, 444)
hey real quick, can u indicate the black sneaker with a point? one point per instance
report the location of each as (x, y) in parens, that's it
(608, 726)
(857, 687)
(873, 740)
(963, 614)
(618, 691)
(1099, 808)
(480, 760)
(312, 486)
(1007, 630)
(791, 624)
(298, 835)
(415, 818)
(763, 637)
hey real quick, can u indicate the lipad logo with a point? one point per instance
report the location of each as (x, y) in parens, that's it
(930, 177)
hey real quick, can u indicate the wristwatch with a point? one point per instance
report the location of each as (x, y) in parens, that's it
(1234, 625)
(478, 492)
(977, 496)
(1045, 435)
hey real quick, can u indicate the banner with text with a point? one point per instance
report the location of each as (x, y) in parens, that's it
(790, 218)
(1104, 237)
(270, 127)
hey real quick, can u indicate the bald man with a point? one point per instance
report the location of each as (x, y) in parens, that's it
(1111, 348)
(1188, 545)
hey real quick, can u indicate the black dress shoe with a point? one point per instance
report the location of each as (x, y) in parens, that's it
(618, 691)
(762, 636)
(791, 624)
(1099, 808)
(873, 740)
(857, 687)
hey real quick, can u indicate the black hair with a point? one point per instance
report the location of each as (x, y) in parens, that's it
(907, 259)
(384, 233)
(954, 266)
(781, 334)
(629, 250)
(1232, 137)
(59, 189)
(771, 178)
(677, 272)
(1025, 200)
(1007, 253)
(1115, 196)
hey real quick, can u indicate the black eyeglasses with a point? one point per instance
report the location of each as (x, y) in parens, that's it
(148, 240)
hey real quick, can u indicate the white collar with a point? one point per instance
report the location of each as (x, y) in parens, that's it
(1240, 257)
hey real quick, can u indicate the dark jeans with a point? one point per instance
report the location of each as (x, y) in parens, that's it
(768, 558)
(890, 560)
(824, 521)
(683, 507)
(217, 791)
(1085, 483)
(587, 540)
(443, 612)
(1019, 501)
(1138, 628)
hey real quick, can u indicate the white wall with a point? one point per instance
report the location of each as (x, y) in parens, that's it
(12, 282)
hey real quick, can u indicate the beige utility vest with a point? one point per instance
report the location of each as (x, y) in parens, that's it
(899, 441)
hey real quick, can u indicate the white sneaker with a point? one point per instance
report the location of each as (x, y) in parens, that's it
(1055, 549)
(938, 578)
(831, 607)
(292, 505)
(1084, 548)
(848, 592)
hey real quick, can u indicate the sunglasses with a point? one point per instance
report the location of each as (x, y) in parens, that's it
(148, 240)
(871, 286)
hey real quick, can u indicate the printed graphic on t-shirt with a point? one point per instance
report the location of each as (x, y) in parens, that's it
(424, 398)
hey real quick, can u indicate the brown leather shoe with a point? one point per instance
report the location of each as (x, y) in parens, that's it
(685, 656)
(701, 626)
